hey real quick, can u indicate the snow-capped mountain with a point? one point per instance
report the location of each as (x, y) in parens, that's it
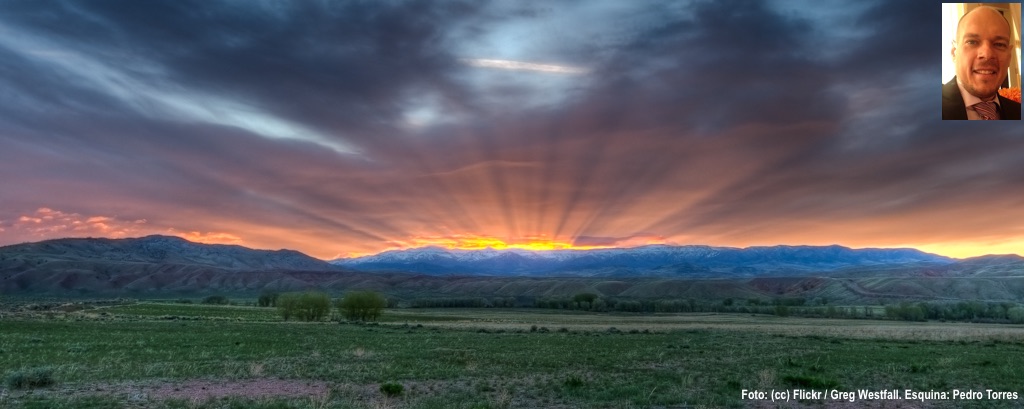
(647, 260)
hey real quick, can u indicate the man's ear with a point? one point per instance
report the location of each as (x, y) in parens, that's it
(952, 51)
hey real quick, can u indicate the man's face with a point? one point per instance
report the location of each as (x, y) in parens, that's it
(982, 52)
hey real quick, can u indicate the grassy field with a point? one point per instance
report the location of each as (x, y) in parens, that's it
(201, 356)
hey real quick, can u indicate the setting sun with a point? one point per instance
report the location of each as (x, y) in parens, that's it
(474, 242)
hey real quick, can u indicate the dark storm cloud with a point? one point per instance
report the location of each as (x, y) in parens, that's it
(345, 126)
(903, 157)
(339, 66)
(715, 65)
(903, 39)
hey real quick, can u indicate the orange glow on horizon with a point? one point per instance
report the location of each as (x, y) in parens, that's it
(207, 238)
(52, 223)
(957, 250)
(473, 242)
(971, 249)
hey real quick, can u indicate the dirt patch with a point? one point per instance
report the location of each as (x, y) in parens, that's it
(247, 388)
(198, 390)
(146, 394)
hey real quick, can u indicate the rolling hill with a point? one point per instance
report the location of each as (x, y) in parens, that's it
(162, 250)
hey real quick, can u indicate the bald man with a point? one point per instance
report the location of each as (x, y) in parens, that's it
(981, 53)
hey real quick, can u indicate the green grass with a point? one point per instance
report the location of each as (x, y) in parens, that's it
(445, 360)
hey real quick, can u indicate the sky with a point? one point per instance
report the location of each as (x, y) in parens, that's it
(345, 128)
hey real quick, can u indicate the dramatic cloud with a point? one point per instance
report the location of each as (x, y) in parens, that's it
(347, 128)
(48, 223)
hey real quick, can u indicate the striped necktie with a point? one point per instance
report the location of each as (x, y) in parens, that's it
(987, 110)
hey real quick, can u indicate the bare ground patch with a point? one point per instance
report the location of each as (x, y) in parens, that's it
(791, 326)
(246, 388)
(498, 392)
(198, 390)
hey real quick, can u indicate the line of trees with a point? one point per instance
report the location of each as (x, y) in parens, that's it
(784, 306)
(369, 305)
(464, 302)
(315, 305)
(961, 311)
(972, 311)
(591, 302)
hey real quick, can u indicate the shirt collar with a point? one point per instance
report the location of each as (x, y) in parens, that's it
(970, 99)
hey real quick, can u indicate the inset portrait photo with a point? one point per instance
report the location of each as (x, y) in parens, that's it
(981, 61)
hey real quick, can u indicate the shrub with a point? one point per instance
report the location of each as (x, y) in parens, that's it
(391, 388)
(32, 378)
(288, 305)
(361, 305)
(268, 299)
(308, 306)
(791, 302)
(583, 301)
(573, 381)
(1016, 315)
(314, 306)
(906, 311)
(216, 299)
(585, 297)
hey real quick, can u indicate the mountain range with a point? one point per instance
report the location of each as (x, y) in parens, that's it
(654, 260)
(157, 266)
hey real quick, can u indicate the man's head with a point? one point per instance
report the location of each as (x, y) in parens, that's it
(982, 51)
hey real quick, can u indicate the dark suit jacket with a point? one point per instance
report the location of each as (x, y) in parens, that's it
(953, 104)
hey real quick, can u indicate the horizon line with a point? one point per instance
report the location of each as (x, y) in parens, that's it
(515, 248)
